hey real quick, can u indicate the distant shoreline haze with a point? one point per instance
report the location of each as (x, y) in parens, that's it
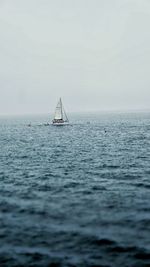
(92, 112)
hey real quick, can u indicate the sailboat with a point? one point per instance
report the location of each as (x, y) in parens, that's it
(60, 117)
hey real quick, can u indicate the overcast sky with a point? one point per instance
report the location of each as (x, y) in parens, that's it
(95, 54)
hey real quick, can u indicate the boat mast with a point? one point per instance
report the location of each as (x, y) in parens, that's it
(61, 109)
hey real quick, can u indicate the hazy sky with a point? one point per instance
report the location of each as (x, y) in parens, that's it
(95, 54)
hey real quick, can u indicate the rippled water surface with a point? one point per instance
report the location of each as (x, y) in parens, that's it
(77, 195)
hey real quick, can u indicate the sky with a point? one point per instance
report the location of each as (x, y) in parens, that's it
(95, 54)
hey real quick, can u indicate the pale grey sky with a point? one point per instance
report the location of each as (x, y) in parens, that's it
(95, 54)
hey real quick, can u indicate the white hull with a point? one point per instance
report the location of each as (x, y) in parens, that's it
(60, 123)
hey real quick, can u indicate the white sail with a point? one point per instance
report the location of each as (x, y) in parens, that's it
(58, 112)
(65, 118)
(60, 116)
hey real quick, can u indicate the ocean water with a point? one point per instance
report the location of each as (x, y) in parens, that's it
(77, 195)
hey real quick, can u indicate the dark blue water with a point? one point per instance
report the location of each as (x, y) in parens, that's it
(77, 195)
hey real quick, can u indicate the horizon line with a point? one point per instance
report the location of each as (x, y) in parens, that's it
(78, 112)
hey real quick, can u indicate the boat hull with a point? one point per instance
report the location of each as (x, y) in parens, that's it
(60, 123)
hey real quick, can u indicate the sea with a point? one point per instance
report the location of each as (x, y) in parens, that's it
(77, 195)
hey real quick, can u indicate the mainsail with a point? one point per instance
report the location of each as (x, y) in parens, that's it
(60, 114)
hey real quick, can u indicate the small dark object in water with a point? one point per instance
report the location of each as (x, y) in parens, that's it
(29, 125)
